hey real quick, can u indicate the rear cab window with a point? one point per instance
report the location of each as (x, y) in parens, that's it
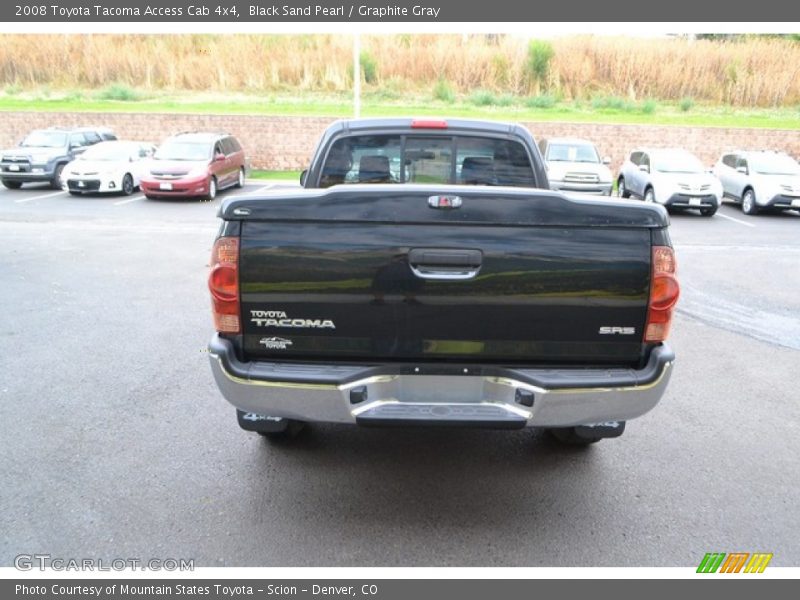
(425, 158)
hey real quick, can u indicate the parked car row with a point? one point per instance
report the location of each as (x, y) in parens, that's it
(757, 180)
(87, 159)
(199, 164)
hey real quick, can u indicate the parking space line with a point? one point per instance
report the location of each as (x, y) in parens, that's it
(20, 200)
(134, 199)
(719, 214)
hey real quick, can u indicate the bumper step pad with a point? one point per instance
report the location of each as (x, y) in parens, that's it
(446, 415)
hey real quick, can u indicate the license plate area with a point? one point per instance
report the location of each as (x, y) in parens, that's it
(695, 201)
(165, 186)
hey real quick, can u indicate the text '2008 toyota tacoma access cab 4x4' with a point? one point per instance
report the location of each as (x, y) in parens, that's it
(455, 289)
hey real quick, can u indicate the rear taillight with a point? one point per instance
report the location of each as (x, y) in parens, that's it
(223, 283)
(429, 124)
(664, 292)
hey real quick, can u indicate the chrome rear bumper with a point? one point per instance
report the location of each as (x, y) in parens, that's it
(495, 397)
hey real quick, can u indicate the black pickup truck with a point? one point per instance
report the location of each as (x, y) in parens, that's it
(454, 289)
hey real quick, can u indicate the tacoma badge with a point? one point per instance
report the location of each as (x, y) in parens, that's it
(277, 318)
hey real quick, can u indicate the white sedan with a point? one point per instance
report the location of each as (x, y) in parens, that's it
(107, 167)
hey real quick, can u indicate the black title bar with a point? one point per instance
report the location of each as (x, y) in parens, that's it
(399, 11)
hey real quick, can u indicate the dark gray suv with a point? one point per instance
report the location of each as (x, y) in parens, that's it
(41, 156)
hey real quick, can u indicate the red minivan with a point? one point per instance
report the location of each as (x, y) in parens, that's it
(195, 165)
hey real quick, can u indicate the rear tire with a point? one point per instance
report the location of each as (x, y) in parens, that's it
(622, 191)
(240, 181)
(583, 435)
(649, 195)
(567, 435)
(708, 212)
(749, 206)
(74, 193)
(293, 429)
(12, 185)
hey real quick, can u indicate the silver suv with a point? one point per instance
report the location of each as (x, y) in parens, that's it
(760, 180)
(673, 178)
(574, 165)
(42, 155)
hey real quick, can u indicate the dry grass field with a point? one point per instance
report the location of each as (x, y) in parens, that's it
(754, 72)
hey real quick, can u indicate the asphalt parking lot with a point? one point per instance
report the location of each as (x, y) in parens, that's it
(116, 442)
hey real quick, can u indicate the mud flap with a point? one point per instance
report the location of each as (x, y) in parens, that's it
(261, 423)
(609, 429)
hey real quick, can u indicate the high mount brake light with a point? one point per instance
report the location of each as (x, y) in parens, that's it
(664, 293)
(428, 124)
(223, 283)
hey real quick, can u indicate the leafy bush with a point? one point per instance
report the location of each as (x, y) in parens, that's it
(649, 106)
(611, 103)
(393, 89)
(119, 91)
(686, 103)
(369, 67)
(506, 100)
(542, 101)
(443, 91)
(540, 53)
(482, 98)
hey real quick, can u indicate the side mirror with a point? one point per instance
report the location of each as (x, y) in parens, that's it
(606, 160)
(644, 168)
(742, 170)
(303, 176)
(219, 157)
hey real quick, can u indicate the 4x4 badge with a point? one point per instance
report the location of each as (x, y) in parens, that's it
(275, 343)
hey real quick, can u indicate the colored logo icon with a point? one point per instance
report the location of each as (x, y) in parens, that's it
(734, 562)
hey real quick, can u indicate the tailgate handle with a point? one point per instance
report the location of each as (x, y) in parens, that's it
(445, 264)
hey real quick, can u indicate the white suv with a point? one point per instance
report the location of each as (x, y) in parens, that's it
(760, 180)
(674, 178)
